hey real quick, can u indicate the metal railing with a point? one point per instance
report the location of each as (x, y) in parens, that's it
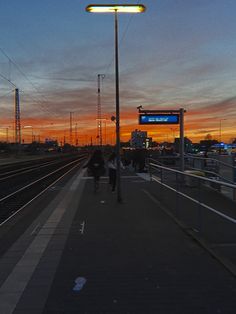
(196, 200)
(212, 166)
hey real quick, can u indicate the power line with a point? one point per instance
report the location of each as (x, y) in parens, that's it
(6, 79)
(9, 92)
(23, 74)
(62, 79)
(41, 104)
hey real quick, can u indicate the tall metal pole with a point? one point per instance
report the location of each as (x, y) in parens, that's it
(71, 128)
(220, 132)
(99, 110)
(105, 135)
(7, 135)
(32, 135)
(17, 117)
(119, 199)
(76, 134)
(181, 148)
(220, 135)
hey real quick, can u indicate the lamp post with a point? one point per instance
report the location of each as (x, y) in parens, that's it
(115, 9)
(220, 137)
(220, 127)
(99, 110)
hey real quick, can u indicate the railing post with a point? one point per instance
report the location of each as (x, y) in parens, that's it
(161, 184)
(200, 218)
(149, 168)
(161, 175)
(234, 194)
(177, 195)
(181, 148)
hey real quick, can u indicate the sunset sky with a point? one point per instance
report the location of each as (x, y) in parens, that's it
(179, 53)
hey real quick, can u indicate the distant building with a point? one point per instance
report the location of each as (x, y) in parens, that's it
(139, 139)
(188, 147)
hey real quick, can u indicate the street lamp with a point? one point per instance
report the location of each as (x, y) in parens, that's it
(115, 9)
(220, 128)
(99, 110)
(220, 137)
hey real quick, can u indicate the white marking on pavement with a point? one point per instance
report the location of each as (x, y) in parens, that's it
(82, 227)
(79, 283)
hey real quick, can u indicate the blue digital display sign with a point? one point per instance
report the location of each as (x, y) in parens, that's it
(158, 119)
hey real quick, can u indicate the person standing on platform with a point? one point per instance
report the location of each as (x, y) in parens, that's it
(112, 167)
(96, 167)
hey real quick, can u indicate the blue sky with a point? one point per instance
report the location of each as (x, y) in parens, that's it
(179, 53)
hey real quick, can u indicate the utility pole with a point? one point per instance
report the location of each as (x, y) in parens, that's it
(76, 134)
(71, 128)
(7, 134)
(99, 110)
(181, 149)
(17, 117)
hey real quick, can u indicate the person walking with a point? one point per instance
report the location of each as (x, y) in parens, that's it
(112, 167)
(96, 167)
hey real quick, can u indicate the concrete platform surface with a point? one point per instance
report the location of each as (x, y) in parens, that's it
(86, 253)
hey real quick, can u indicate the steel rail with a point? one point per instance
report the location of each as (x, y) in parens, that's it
(25, 170)
(35, 197)
(36, 181)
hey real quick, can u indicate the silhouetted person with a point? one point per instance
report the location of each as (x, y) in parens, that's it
(96, 167)
(112, 168)
(135, 159)
(141, 159)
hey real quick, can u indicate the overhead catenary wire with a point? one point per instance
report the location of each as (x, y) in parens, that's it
(43, 100)
(6, 94)
(8, 80)
(62, 79)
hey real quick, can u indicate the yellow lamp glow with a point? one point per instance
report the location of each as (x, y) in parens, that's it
(111, 8)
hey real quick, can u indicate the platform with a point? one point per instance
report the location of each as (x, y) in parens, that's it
(86, 253)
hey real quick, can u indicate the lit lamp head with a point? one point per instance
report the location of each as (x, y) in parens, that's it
(119, 8)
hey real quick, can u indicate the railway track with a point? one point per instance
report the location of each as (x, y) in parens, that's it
(20, 183)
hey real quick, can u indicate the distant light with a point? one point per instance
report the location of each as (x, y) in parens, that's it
(111, 8)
